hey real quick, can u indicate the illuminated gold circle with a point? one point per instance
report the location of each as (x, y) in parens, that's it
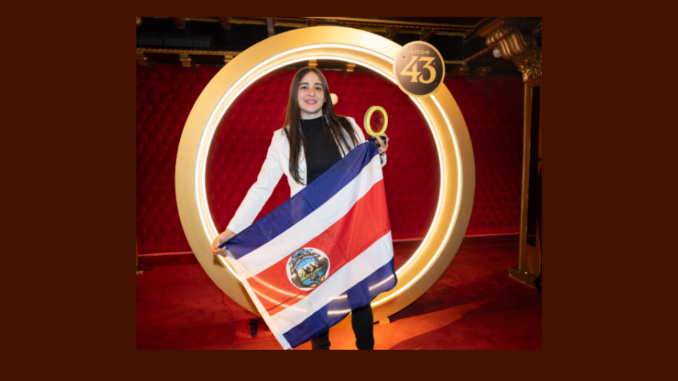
(364, 49)
(368, 115)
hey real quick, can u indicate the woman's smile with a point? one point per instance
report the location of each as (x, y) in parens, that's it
(310, 96)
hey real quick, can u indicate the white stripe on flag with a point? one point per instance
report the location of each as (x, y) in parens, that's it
(315, 223)
(369, 261)
(275, 330)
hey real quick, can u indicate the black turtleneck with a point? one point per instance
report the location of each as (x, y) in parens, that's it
(321, 154)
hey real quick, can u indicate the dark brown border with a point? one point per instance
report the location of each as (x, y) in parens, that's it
(81, 163)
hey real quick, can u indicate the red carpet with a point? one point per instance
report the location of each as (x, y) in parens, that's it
(474, 305)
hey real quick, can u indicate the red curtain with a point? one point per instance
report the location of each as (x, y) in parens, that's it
(492, 108)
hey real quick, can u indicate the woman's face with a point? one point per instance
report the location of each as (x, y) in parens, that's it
(310, 96)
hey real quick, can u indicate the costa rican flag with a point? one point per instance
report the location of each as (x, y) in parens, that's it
(324, 252)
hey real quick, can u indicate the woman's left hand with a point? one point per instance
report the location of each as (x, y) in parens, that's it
(382, 147)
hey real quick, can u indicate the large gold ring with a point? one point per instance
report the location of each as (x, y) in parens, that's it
(364, 49)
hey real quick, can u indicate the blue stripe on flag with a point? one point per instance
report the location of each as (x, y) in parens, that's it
(303, 203)
(358, 296)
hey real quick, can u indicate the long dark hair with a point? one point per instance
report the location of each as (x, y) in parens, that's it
(336, 127)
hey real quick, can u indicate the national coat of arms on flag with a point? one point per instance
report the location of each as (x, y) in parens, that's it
(325, 251)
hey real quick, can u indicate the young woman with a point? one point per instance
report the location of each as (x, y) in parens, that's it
(313, 139)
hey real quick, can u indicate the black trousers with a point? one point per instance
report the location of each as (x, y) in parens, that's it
(362, 322)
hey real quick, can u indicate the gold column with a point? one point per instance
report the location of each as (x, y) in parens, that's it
(526, 55)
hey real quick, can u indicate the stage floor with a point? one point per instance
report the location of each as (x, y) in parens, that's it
(474, 305)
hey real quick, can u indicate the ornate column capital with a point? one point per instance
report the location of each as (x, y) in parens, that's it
(514, 46)
(511, 41)
(530, 65)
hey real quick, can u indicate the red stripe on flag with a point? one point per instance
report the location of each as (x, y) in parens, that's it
(347, 238)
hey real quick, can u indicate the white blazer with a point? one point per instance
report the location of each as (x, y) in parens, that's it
(276, 164)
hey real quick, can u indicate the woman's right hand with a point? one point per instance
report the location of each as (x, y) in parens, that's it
(221, 238)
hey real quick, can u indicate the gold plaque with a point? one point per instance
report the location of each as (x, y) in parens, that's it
(419, 69)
